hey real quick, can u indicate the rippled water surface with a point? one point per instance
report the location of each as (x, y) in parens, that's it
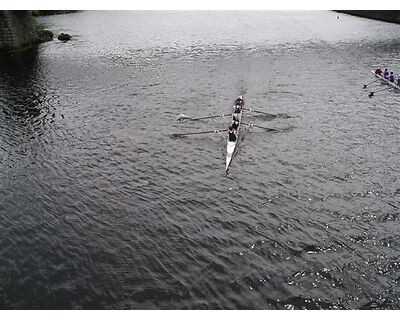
(100, 208)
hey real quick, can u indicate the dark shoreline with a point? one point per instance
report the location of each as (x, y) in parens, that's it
(38, 13)
(392, 16)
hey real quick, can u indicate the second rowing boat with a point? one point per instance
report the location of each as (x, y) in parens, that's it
(387, 81)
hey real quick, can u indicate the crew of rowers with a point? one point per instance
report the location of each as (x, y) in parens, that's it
(390, 76)
(233, 128)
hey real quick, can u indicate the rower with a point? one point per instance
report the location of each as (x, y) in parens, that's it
(232, 135)
(386, 74)
(398, 80)
(236, 109)
(235, 124)
(239, 101)
(391, 77)
(378, 71)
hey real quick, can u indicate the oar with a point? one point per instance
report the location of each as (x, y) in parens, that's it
(269, 114)
(372, 93)
(185, 117)
(365, 85)
(179, 135)
(257, 126)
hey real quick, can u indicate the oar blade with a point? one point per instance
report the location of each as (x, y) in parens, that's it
(372, 93)
(183, 117)
(271, 129)
(283, 116)
(176, 135)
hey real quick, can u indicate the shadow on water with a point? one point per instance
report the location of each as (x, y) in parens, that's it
(19, 73)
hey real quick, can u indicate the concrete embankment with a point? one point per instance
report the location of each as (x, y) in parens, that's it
(17, 30)
(20, 31)
(382, 15)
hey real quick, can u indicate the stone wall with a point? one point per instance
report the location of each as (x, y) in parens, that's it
(17, 30)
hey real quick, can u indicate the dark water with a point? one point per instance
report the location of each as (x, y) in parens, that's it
(100, 208)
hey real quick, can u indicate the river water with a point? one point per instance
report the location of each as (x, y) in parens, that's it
(100, 208)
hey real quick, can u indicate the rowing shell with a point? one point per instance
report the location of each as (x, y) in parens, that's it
(394, 85)
(231, 145)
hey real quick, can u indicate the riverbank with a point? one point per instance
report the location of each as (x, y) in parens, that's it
(392, 16)
(37, 13)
